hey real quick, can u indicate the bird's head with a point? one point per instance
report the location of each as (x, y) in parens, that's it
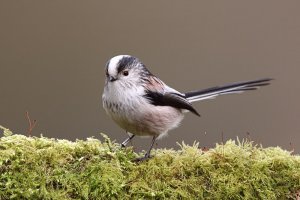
(125, 69)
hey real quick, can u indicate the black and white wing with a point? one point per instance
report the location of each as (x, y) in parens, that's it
(175, 100)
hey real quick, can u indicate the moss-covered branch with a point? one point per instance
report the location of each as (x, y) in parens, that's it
(43, 168)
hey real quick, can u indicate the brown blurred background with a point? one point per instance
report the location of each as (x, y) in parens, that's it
(52, 57)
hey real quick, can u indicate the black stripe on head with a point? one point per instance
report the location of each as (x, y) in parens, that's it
(126, 61)
(107, 64)
(106, 67)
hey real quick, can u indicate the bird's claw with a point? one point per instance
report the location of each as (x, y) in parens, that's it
(144, 158)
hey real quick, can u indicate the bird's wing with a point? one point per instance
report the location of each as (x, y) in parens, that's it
(175, 100)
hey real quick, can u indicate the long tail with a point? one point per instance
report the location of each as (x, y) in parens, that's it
(234, 88)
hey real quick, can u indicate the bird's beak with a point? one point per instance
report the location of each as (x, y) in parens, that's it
(111, 78)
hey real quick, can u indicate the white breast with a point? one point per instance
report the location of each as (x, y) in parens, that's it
(132, 112)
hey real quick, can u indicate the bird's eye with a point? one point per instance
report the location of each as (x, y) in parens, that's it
(125, 73)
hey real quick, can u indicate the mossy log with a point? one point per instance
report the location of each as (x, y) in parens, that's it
(44, 168)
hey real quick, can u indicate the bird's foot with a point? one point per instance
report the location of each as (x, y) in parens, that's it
(144, 158)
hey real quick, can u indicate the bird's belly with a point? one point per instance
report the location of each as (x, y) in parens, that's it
(147, 120)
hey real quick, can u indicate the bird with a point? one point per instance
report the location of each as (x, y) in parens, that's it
(143, 105)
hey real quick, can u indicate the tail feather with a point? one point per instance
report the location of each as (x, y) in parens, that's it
(234, 88)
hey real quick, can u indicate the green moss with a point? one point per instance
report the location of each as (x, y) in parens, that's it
(43, 168)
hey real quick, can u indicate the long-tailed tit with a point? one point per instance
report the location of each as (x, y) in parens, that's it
(143, 105)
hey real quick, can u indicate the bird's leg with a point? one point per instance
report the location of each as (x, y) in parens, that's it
(127, 140)
(147, 155)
